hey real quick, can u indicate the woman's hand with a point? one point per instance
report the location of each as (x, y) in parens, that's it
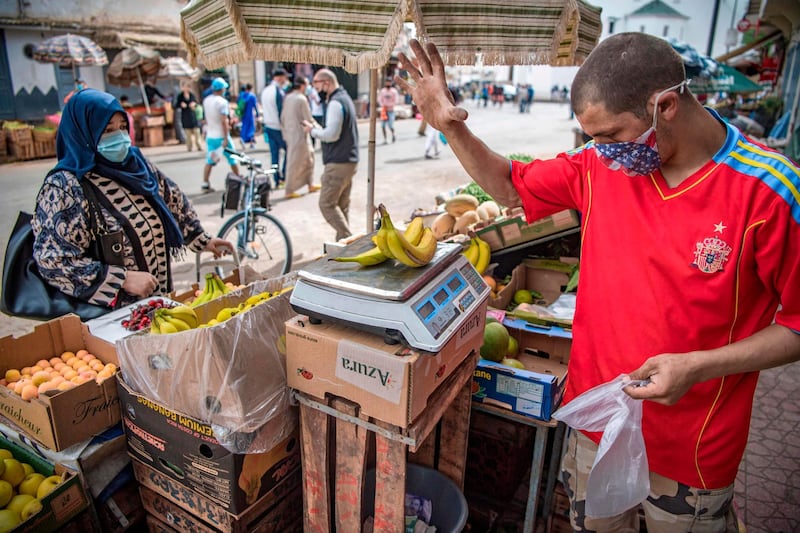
(429, 88)
(140, 284)
(219, 247)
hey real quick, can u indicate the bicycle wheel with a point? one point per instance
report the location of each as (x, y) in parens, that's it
(262, 241)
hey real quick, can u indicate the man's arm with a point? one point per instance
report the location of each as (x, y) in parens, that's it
(671, 375)
(429, 90)
(334, 119)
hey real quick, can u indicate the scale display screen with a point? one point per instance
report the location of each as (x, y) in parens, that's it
(441, 305)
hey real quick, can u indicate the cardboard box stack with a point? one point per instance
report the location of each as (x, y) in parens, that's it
(208, 423)
(535, 391)
(56, 427)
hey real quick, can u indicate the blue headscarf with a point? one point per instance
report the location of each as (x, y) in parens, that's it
(83, 122)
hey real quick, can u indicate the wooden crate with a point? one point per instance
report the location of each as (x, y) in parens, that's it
(153, 136)
(44, 148)
(19, 135)
(334, 449)
(21, 150)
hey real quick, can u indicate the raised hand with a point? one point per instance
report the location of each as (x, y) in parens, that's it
(428, 87)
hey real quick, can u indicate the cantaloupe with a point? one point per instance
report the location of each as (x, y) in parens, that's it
(465, 221)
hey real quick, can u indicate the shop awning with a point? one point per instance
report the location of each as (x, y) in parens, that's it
(361, 34)
(726, 79)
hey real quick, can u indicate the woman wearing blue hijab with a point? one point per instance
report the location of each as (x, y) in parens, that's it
(156, 220)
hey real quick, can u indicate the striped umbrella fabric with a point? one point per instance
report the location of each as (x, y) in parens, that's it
(131, 65)
(70, 50)
(512, 32)
(177, 67)
(359, 35)
(356, 35)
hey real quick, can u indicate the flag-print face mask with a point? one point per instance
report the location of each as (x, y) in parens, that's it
(638, 157)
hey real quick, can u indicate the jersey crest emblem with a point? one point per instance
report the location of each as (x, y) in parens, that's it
(711, 255)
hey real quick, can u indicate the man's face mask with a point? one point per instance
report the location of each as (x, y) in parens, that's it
(638, 157)
(114, 146)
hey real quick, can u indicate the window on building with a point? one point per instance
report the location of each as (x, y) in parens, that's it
(666, 31)
(611, 23)
(641, 28)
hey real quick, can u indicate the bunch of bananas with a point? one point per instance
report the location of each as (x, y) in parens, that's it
(173, 319)
(214, 288)
(229, 312)
(414, 247)
(478, 253)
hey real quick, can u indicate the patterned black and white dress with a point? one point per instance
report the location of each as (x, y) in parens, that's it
(61, 227)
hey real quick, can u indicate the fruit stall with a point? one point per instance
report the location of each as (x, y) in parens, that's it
(404, 380)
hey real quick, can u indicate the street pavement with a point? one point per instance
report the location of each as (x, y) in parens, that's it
(404, 179)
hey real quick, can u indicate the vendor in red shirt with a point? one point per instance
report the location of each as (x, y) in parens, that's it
(690, 266)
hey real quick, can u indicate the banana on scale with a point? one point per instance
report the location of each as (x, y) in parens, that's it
(377, 255)
(400, 248)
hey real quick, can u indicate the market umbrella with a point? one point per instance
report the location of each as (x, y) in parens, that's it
(177, 67)
(361, 34)
(70, 50)
(727, 79)
(132, 66)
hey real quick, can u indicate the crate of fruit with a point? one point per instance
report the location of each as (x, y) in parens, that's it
(18, 132)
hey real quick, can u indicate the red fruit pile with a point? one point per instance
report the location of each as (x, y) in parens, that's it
(142, 314)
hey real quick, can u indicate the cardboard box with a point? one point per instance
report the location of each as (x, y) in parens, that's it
(535, 391)
(59, 507)
(239, 276)
(515, 230)
(98, 461)
(185, 450)
(71, 416)
(232, 375)
(390, 382)
(183, 510)
(489, 233)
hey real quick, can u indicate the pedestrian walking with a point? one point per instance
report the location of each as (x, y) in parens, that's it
(248, 103)
(271, 107)
(339, 151)
(186, 103)
(218, 131)
(388, 98)
(299, 152)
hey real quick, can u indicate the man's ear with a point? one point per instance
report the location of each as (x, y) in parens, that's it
(668, 105)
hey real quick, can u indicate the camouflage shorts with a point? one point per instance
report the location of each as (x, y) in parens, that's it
(671, 507)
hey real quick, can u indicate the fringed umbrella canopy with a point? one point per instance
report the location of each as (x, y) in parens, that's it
(361, 34)
(356, 35)
(512, 32)
(178, 67)
(131, 66)
(70, 50)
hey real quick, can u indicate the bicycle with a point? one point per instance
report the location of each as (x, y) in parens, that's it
(262, 242)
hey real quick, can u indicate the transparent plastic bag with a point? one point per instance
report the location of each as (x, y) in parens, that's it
(620, 477)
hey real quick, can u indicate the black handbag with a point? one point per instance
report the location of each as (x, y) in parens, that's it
(26, 294)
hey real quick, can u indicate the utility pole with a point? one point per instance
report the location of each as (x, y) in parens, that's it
(713, 28)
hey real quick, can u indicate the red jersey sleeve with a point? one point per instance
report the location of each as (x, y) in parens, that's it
(548, 186)
(777, 252)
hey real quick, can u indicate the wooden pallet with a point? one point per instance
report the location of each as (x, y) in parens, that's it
(334, 451)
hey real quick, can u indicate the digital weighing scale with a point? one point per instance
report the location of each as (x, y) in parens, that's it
(418, 307)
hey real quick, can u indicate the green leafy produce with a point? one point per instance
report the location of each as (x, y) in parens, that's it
(475, 190)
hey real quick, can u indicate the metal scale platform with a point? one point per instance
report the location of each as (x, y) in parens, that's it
(418, 307)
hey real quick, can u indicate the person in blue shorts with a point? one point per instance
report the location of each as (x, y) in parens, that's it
(217, 116)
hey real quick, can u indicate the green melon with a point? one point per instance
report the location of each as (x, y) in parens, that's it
(495, 342)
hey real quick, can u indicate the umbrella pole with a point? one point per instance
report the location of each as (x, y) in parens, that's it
(373, 83)
(141, 88)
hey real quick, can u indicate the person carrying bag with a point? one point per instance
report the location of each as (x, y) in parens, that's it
(106, 223)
